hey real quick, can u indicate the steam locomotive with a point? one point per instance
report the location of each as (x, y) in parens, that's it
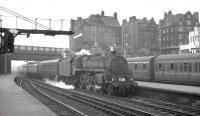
(109, 74)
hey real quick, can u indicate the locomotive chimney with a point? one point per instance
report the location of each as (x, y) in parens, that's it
(114, 53)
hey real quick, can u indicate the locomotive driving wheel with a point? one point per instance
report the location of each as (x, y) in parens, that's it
(122, 90)
(110, 90)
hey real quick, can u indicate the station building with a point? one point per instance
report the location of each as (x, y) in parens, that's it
(174, 30)
(96, 32)
(140, 37)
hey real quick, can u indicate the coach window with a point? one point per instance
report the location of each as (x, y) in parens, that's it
(190, 67)
(175, 67)
(195, 67)
(168, 67)
(199, 67)
(172, 67)
(185, 67)
(156, 67)
(163, 66)
(159, 66)
(144, 66)
(181, 67)
(135, 66)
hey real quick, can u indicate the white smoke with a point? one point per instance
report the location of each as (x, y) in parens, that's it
(83, 52)
(59, 84)
(111, 48)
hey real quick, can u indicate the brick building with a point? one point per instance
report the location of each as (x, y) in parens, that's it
(174, 30)
(140, 37)
(96, 31)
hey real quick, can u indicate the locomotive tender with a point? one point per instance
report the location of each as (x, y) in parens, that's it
(108, 74)
(173, 68)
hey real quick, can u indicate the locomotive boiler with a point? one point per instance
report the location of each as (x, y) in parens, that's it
(110, 74)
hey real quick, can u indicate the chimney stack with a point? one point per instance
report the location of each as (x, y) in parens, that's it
(102, 13)
(115, 15)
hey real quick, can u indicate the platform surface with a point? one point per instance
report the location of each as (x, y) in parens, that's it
(14, 101)
(171, 87)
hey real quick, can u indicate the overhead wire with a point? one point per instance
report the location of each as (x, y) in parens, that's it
(24, 18)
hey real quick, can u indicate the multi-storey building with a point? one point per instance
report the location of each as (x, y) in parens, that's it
(96, 31)
(194, 42)
(174, 30)
(140, 37)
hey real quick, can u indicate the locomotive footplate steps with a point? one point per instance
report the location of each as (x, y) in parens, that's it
(14, 101)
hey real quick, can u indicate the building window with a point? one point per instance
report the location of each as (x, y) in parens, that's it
(95, 29)
(180, 29)
(188, 22)
(180, 36)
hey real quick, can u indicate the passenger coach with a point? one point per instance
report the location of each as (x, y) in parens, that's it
(183, 68)
(141, 67)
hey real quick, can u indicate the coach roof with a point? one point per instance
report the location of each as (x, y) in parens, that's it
(140, 59)
(50, 61)
(179, 56)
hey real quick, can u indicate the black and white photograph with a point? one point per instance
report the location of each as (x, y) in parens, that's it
(99, 58)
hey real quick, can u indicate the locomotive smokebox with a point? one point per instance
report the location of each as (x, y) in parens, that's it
(118, 65)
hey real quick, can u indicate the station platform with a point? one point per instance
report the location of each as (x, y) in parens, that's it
(14, 101)
(192, 90)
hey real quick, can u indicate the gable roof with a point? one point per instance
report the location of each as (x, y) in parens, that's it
(110, 21)
(152, 21)
(105, 20)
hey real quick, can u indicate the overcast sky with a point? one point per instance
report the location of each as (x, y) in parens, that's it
(68, 9)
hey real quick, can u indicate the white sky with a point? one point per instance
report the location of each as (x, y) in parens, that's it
(67, 9)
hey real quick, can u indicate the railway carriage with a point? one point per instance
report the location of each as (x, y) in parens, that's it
(180, 68)
(65, 70)
(172, 68)
(28, 69)
(48, 69)
(141, 67)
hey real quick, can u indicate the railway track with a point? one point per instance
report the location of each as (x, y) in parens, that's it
(168, 107)
(165, 107)
(115, 108)
(55, 105)
(100, 104)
